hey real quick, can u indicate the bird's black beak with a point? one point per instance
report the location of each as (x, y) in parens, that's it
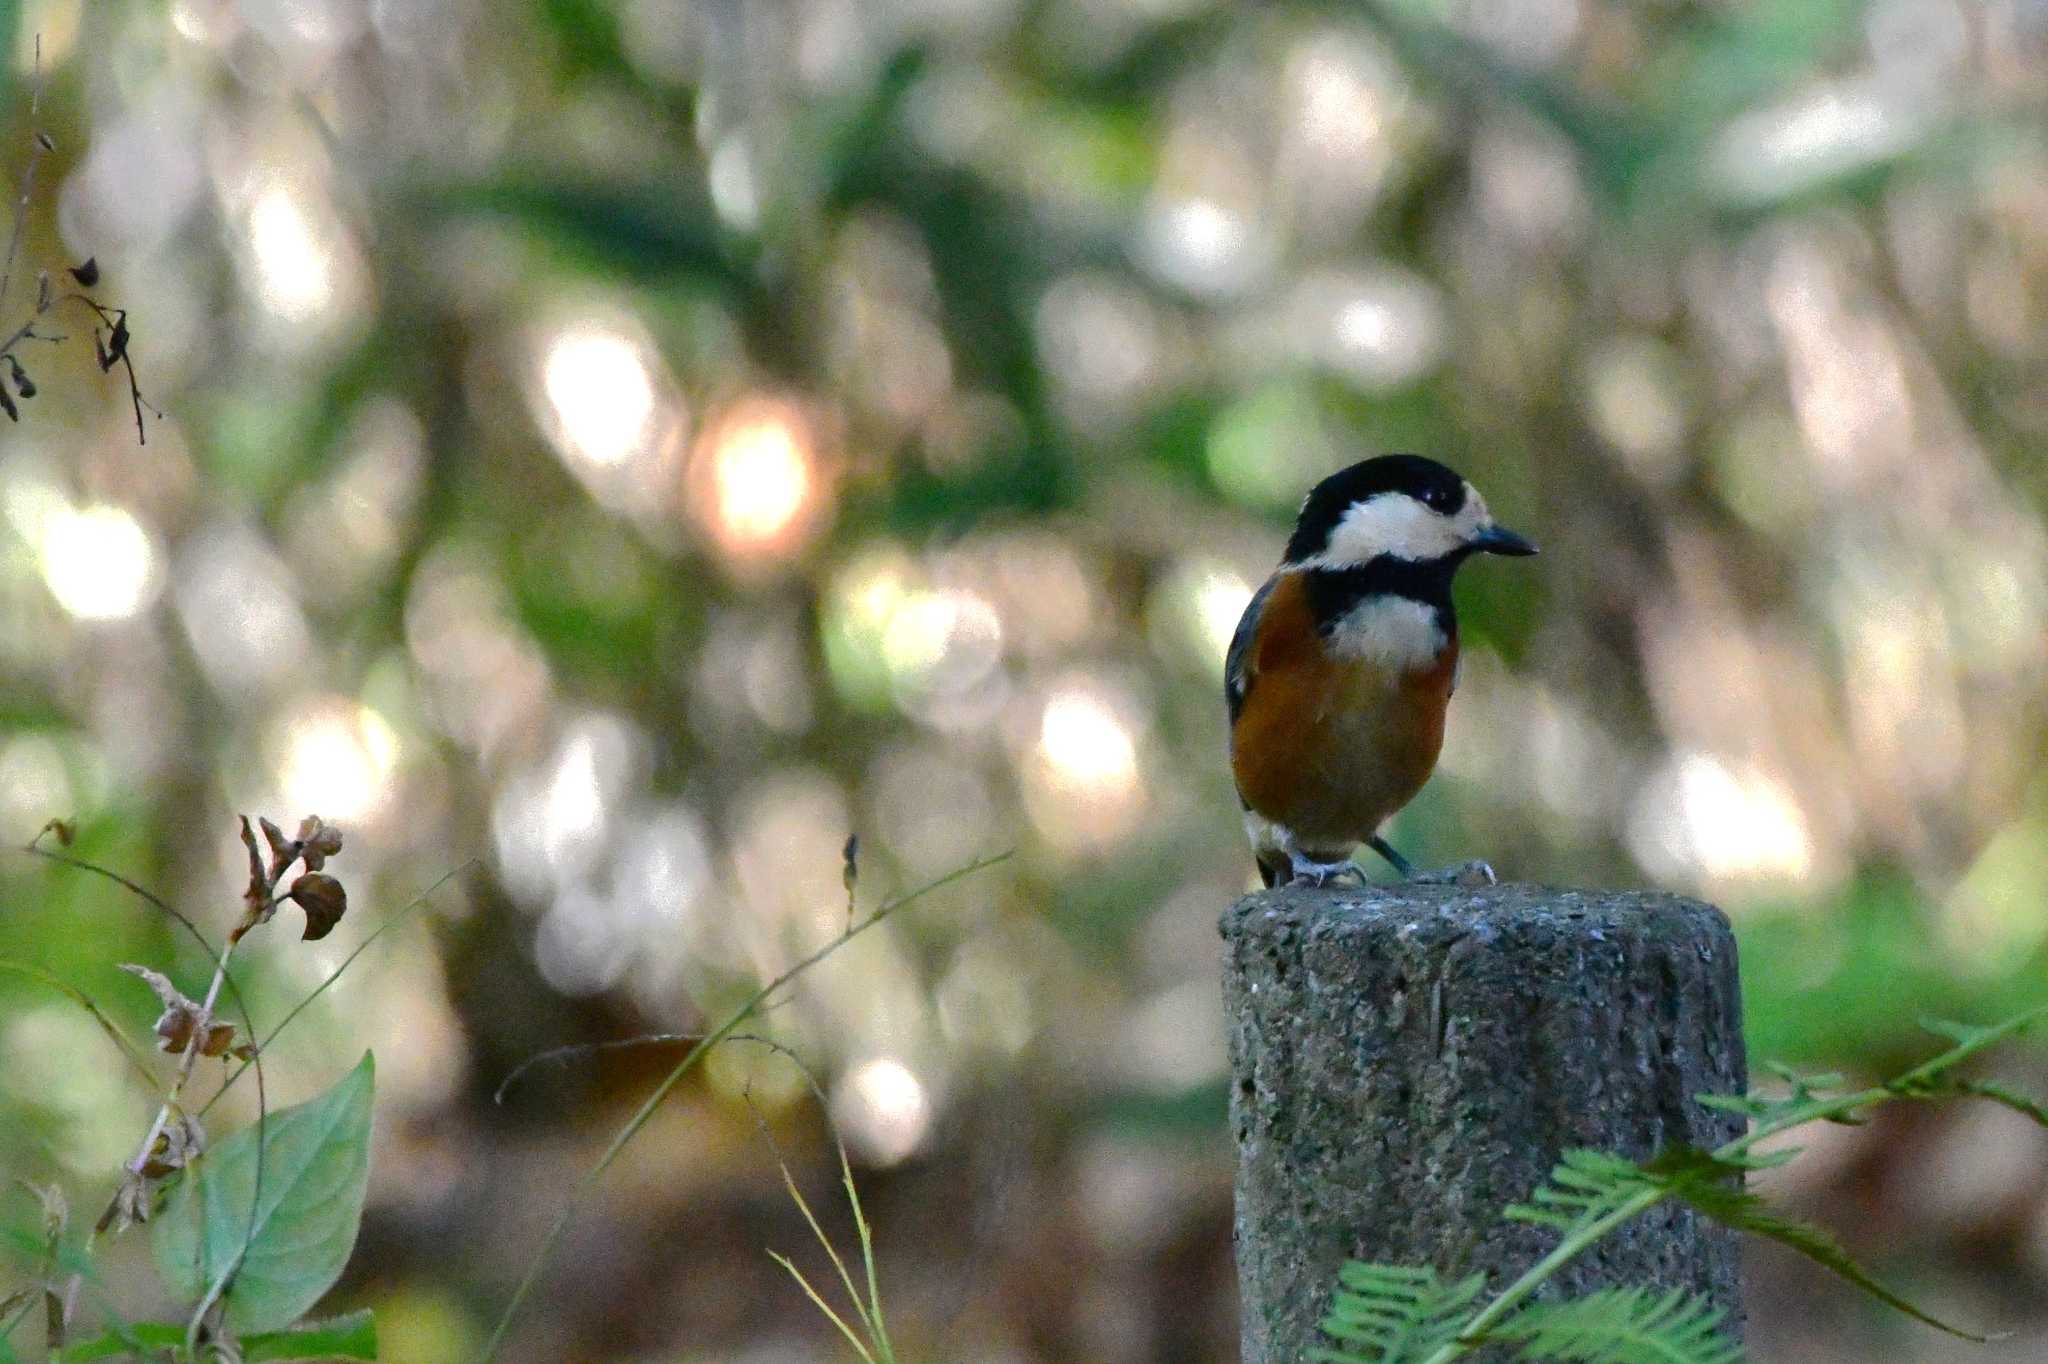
(1500, 540)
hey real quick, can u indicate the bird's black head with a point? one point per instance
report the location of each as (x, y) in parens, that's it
(1400, 506)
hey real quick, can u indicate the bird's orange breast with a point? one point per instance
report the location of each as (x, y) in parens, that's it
(1331, 746)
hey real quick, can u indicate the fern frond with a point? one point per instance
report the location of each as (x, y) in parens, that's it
(1395, 1314)
(1703, 1180)
(1931, 1077)
(1804, 1091)
(1621, 1326)
(2010, 1098)
(1584, 1185)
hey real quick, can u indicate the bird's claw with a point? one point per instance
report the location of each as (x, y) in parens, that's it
(1319, 874)
(1470, 875)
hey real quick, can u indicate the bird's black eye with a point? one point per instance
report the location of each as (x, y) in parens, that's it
(1437, 498)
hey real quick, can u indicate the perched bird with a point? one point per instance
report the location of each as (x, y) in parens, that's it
(1343, 663)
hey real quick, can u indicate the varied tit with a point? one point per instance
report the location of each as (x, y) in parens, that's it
(1343, 664)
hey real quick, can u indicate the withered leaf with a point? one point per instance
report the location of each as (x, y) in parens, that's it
(324, 901)
(158, 982)
(281, 847)
(179, 1021)
(64, 830)
(130, 1205)
(87, 273)
(56, 1209)
(257, 895)
(318, 841)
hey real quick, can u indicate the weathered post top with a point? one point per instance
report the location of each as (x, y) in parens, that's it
(1407, 1060)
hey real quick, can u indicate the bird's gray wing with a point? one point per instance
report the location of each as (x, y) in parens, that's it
(1237, 664)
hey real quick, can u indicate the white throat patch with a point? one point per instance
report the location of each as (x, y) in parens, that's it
(1397, 633)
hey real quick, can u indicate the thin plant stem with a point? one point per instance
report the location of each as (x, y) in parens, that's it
(85, 1001)
(838, 1264)
(186, 1061)
(38, 144)
(683, 1067)
(867, 1255)
(149, 897)
(851, 1338)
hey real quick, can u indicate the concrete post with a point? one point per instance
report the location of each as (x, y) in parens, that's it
(1408, 1060)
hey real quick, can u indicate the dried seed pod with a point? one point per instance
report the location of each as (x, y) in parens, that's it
(219, 1037)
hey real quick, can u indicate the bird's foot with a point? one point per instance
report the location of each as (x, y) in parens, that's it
(1469, 875)
(1307, 872)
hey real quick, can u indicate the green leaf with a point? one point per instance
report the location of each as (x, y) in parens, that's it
(1584, 1186)
(1930, 1076)
(1622, 1326)
(2000, 1094)
(144, 1335)
(352, 1336)
(316, 1163)
(1397, 1313)
(149, 1335)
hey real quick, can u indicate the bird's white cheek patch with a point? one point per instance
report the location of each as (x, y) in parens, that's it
(1390, 523)
(1391, 632)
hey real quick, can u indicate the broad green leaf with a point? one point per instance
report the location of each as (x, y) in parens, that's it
(351, 1336)
(316, 1162)
(150, 1335)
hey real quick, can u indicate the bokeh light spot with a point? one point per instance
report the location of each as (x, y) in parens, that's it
(99, 563)
(337, 759)
(756, 479)
(1086, 744)
(294, 268)
(884, 1109)
(598, 384)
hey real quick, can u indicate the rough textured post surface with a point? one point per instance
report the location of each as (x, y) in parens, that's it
(1407, 1060)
